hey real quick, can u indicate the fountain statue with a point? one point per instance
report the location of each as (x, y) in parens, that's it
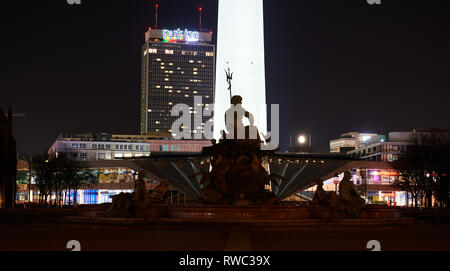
(348, 201)
(125, 204)
(237, 175)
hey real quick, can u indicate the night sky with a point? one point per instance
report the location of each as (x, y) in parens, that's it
(333, 66)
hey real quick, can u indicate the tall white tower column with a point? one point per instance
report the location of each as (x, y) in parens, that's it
(240, 47)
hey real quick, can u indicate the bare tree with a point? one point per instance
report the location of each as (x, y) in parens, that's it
(424, 167)
(60, 176)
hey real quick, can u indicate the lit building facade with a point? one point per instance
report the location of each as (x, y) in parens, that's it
(102, 146)
(382, 148)
(177, 65)
(87, 147)
(349, 141)
(376, 185)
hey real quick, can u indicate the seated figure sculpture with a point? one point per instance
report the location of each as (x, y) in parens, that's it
(352, 203)
(125, 204)
(320, 196)
(237, 175)
(348, 200)
(234, 122)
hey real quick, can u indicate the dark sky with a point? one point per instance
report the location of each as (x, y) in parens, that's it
(333, 66)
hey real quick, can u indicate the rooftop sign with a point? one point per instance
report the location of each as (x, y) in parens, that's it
(186, 35)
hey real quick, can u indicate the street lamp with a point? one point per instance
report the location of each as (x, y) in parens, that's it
(302, 139)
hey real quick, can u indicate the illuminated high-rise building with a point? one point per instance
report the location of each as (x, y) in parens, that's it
(240, 47)
(176, 66)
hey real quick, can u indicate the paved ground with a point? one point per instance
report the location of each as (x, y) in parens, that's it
(409, 238)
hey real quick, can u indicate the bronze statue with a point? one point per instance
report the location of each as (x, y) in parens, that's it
(237, 175)
(348, 200)
(320, 196)
(351, 202)
(160, 193)
(234, 122)
(124, 204)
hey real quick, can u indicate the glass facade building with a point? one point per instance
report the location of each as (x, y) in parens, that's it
(177, 66)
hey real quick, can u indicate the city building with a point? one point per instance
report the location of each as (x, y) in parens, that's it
(177, 67)
(349, 141)
(382, 148)
(375, 183)
(101, 153)
(88, 147)
(103, 146)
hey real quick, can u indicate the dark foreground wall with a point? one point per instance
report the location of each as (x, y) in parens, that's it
(8, 161)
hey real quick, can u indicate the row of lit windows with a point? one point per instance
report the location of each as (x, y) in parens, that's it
(171, 52)
(107, 146)
(171, 64)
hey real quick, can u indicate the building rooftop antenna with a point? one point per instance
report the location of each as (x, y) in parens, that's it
(200, 9)
(156, 15)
